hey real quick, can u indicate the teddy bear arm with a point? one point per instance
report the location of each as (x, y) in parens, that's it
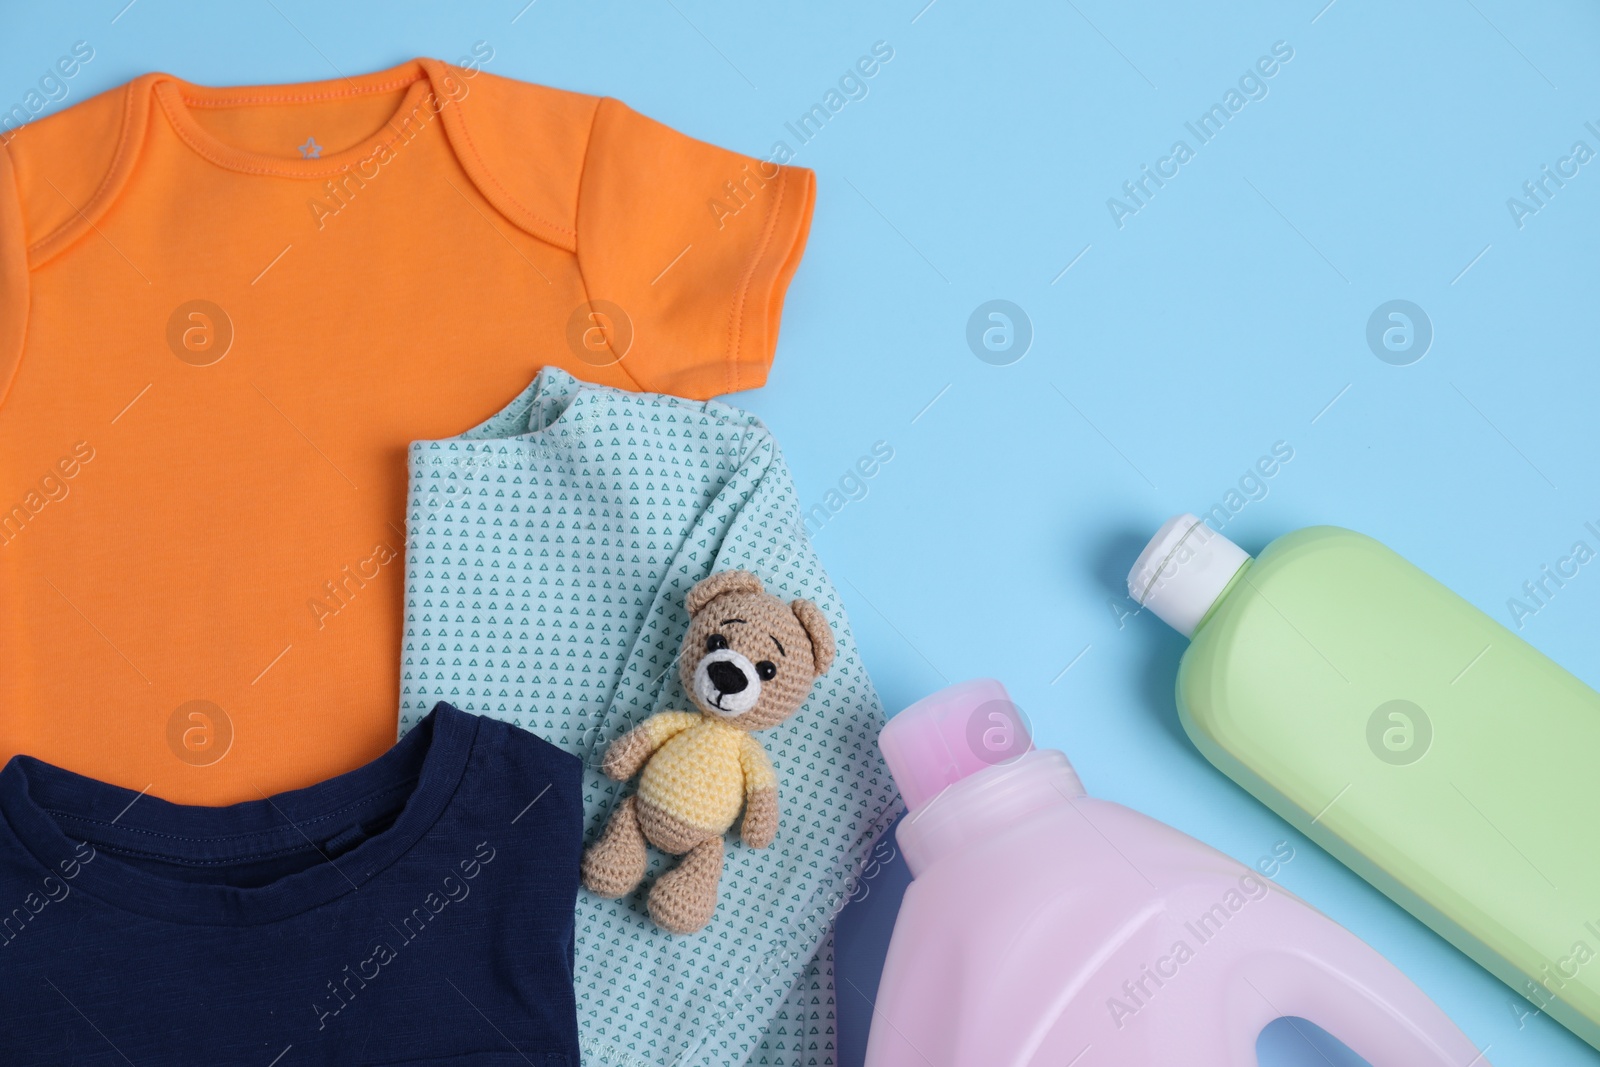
(760, 826)
(630, 752)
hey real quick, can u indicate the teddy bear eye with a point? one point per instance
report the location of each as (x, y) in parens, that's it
(767, 670)
(716, 643)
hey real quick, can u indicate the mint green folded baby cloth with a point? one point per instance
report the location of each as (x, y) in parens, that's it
(548, 554)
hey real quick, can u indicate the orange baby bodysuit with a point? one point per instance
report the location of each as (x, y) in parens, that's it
(224, 313)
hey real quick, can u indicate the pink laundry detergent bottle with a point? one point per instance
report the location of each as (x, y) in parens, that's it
(1043, 927)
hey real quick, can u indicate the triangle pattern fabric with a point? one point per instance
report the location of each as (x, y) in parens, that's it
(549, 552)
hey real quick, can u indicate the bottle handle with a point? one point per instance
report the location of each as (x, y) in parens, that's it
(1348, 989)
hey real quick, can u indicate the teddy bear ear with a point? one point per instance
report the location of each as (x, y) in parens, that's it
(708, 589)
(817, 628)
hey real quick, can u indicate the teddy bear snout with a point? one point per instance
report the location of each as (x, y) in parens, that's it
(726, 683)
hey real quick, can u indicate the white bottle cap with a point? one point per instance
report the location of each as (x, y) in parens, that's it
(1183, 570)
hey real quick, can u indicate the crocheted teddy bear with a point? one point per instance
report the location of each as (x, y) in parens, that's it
(748, 662)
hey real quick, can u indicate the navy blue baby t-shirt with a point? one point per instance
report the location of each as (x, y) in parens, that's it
(418, 910)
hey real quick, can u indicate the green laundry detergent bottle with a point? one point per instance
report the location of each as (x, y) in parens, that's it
(1430, 749)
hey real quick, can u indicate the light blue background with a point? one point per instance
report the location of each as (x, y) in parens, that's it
(1224, 316)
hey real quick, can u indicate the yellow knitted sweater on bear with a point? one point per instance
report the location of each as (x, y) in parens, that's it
(702, 769)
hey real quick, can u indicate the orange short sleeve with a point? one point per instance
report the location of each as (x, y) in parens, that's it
(695, 244)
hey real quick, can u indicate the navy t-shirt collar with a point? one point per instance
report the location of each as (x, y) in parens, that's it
(52, 812)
